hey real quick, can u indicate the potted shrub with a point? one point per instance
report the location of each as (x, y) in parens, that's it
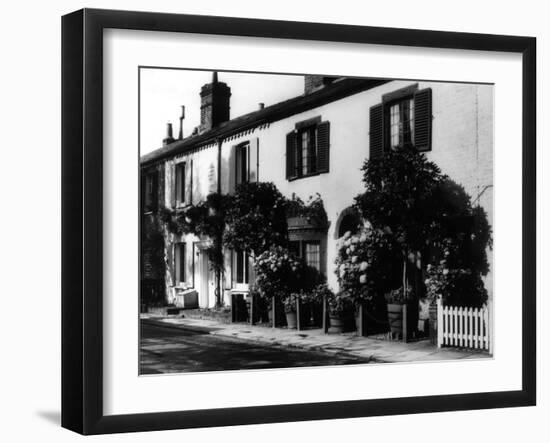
(340, 308)
(367, 266)
(277, 276)
(397, 300)
(289, 304)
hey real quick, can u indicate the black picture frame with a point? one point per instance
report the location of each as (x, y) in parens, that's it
(82, 190)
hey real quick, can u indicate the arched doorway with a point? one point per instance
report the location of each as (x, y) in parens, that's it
(349, 220)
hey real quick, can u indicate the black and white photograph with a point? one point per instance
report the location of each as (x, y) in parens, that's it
(308, 220)
(275, 222)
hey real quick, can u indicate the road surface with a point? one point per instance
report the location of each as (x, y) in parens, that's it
(169, 349)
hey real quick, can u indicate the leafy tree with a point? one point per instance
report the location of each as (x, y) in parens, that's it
(426, 215)
(399, 199)
(256, 218)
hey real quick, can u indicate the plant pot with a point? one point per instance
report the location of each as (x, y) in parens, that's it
(336, 324)
(341, 323)
(291, 320)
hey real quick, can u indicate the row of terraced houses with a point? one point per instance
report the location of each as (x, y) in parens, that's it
(312, 143)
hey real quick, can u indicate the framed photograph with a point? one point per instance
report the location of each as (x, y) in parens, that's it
(269, 221)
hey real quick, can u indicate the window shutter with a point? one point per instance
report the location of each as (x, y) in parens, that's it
(423, 120)
(156, 191)
(290, 155)
(253, 161)
(233, 270)
(173, 184)
(227, 271)
(189, 265)
(188, 182)
(376, 135)
(323, 146)
(232, 169)
(251, 270)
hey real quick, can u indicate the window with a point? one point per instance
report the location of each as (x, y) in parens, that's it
(404, 118)
(180, 184)
(312, 253)
(307, 150)
(401, 123)
(150, 191)
(240, 263)
(179, 263)
(242, 164)
(309, 251)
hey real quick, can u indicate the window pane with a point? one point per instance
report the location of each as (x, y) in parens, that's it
(239, 267)
(180, 183)
(242, 164)
(312, 151)
(406, 107)
(305, 147)
(394, 125)
(180, 263)
(313, 255)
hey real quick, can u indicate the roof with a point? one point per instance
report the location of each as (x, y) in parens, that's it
(335, 91)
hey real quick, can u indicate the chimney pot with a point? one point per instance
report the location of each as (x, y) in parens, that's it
(182, 116)
(261, 105)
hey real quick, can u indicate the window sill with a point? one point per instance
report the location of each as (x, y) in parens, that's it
(313, 174)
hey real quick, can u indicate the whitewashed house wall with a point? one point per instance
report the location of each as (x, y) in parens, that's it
(462, 146)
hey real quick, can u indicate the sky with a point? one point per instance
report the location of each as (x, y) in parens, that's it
(163, 91)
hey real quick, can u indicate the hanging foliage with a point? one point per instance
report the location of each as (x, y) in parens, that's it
(256, 218)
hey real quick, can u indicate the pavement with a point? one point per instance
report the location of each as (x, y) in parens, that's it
(347, 344)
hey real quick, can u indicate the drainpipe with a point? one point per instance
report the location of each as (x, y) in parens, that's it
(219, 299)
(219, 178)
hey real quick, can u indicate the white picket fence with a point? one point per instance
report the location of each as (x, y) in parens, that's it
(464, 327)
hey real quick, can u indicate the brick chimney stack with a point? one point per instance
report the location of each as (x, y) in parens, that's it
(313, 83)
(214, 104)
(169, 135)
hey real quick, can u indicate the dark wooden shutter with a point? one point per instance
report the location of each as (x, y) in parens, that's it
(376, 134)
(173, 185)
(156, 191)
(323, 146)
(423, 120)
(290, 155)
(253, 160)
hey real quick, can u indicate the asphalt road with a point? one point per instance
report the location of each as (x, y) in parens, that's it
(168, 349)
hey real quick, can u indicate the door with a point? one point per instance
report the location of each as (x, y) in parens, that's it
(204, 286)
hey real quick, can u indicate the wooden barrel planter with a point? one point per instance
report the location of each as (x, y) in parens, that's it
(341, 323)
(337, 324)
